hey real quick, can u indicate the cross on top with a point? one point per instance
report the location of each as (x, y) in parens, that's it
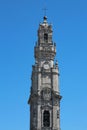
(45, 11)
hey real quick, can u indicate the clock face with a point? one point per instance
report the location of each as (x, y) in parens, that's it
(46, 66)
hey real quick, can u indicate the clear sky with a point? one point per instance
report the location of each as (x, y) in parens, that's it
(19, 21)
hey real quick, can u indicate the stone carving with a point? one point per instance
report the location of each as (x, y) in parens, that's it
(58, 115)
(46, 94)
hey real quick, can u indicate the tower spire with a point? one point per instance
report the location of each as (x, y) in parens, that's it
(45, 93)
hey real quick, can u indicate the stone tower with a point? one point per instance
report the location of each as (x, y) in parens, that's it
(45, 95)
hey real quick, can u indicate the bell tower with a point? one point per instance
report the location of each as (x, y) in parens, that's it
(45, 94)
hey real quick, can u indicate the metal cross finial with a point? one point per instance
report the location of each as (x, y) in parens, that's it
(45, 11)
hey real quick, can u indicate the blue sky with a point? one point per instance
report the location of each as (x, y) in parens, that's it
(19, 21)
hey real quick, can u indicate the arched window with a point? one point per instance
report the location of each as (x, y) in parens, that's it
(46, 37)
(46, 119)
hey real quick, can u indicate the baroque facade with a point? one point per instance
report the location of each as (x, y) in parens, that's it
(45, 94)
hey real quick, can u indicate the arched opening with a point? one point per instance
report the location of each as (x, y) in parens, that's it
(46, 119)
(46, 37)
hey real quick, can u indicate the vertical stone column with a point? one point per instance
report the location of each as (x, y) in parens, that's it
(55, 80)
(39, 82)
(39, 117)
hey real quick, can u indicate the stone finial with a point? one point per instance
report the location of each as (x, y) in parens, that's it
(45, 19)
